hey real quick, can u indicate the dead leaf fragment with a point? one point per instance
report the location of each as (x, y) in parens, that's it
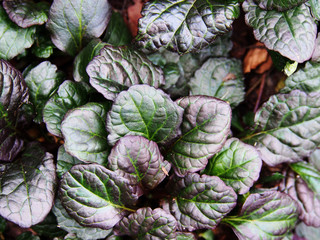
(255, 57)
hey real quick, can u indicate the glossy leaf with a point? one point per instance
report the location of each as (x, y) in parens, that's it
(237, 164)
(69, 95)
(75, 23)
(117, 33)
(278, 5)
(199, 201)
(84, 133)
(95, 196)
(292, 33)
(43, 81)
(314, 159)
(65, 161)
(184, 26)
(117, 68)
(307, 232)
(10, 143)
(316, 53)
(287, 127)
(27, 187)
(82, 60)
(43, 46)
(13, 40)
(308, 201)
(144, 111)
(13, 89)
(221, 78)
(306, 79)
(70, 225)
(205, 127)
(148, 224)
(309, 174)
(26, 13)
(315, 9)
(139, 158)
(270, 215)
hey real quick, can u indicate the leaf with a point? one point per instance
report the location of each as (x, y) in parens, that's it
(144, 111)
(307, 232)
(307, 200)
(221, 78)
(314, 159)
(185, 236)
(10, 143)
(70, 225)
(292, 33)
(148, 224)
(27, 187)
(3, 224)
(85, 133)
(43, 81)
(26, 13)
(309, 174)
(270, 215)
(65, 161)
(184, 26)
(111, 196)
(49, 227)
(205, 127)
(306, 79)
(315, 9)
(69, 95)
(27, 236)
(75, 23)
(13, 40)
(138, 158)
(279, 5)
(117, 32)
(82, 60)
(199, 201)
(43, 47)
(316, 53)
(117, 68)
(287, 128)
(237, 164)
(13, 90)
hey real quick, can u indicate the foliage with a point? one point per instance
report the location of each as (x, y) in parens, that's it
(151, 143)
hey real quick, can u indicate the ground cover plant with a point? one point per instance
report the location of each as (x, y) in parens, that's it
(204, 124)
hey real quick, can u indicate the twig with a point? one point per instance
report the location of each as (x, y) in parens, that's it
(263, 80)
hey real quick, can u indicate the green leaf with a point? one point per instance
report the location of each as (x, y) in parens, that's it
(84, 57)
(49, 227)
(185, 236)
(75, 23)
(69, 95)
(307, 232)
(117, 33)
(292, 33)
(306, 79)
(270, 215)
(309, 174)
(315, 9)
(184, 26)
(237, 164)
(144, 111)
(199, 201)
(97, 197)
(70, 225)
(13, 40)
(85, 133)
(27, 236)
(205, 127)
(43, 46)
(307, 200)
(43, 81)
(27, 187)
(138, 158)
(221, 78)
(117, 68)
(287, 127)
(26, 13)
(65, 161)
(279, 5)
(148, 224)
(3, 224)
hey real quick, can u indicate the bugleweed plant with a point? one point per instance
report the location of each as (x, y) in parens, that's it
(144, 123)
